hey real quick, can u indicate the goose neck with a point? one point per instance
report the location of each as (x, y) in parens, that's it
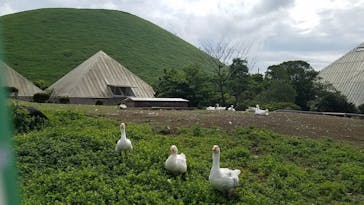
(216, 160)
(123, 135)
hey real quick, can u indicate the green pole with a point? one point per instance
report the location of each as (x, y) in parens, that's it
(9, 194)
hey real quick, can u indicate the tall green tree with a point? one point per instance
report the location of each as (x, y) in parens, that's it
(220, 78)
(238, 78)
(279, 91)
(172, 84)
(190, 83)
(256, 85)
(222, 51)
(199, 89)
(302, 77)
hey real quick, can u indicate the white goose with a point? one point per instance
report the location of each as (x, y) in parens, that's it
(123, 144)
(258, 111)
(222, 179)
(176, 163)
(231, 108)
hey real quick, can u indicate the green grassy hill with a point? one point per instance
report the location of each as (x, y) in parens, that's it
(47, 43)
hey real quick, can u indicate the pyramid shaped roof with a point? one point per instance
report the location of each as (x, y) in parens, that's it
(93, 78)
(347, 75)
(14, 79)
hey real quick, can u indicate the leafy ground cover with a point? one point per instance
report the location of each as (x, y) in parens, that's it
(72, 160)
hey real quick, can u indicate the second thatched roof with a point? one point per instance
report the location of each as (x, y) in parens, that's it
(347, 75)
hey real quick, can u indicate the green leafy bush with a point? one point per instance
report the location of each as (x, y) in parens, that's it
(41, 84)
(23, 120)
(64, 100)
(99, 102)
(281, 105)
(40, 97)
(361, 108)
(12, 91)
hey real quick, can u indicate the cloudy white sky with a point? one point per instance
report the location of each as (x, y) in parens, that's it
(317, 31)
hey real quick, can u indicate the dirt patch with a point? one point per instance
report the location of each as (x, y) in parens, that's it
(292, 124)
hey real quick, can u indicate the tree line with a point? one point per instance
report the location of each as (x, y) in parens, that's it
(291, 84)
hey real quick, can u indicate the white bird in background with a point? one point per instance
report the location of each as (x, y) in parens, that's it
(122, 106)
(217, 107)
(258, 111)
(231, 108)
(176, 163)
(210, 108)
(222, 179)
(123, 144)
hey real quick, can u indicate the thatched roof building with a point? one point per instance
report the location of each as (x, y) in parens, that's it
(347, 75)
(100, 78)
(26, 89)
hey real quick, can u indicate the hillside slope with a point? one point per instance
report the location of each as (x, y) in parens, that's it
(47, 43)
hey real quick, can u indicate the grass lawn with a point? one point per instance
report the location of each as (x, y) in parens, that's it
(72, 160)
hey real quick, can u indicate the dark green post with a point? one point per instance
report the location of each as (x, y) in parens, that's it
(9, 194)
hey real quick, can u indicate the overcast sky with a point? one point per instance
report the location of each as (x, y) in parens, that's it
(317, 31)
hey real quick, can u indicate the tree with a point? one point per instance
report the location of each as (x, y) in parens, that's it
(256, 85)
(238, 78)
(41, 84)
(199, 90)
(279, 91)
(329, 99)
(222, 52)
(335, 102)
(172, 84)
(190, 83)
(302, 77)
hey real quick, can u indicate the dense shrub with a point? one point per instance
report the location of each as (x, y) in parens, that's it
(40, 97)
(361, 108)
(25, 121)
(41, 84)
(64, 100)
(99, 102)
(281, 105)
(13, 91)
(335, 102)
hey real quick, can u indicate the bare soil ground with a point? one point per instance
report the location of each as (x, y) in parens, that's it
(341, 129)
(293, 124)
